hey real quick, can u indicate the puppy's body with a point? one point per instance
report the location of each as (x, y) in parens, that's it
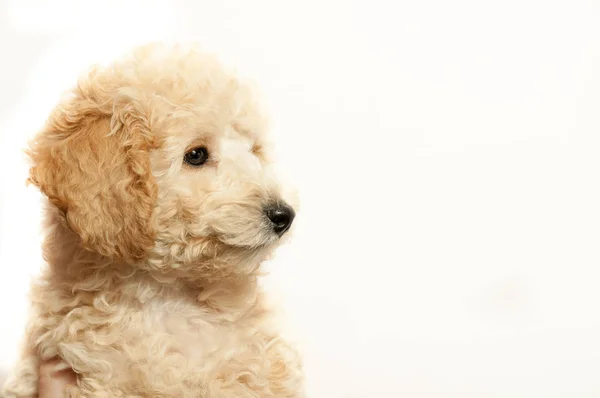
(150, 288)
(130, 335)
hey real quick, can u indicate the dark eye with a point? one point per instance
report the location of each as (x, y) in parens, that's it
(196, 157)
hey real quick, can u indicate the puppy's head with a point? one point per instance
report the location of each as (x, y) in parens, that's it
(161, 160)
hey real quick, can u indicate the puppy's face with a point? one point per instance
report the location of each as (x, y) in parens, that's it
(162, 161)
(219, 203)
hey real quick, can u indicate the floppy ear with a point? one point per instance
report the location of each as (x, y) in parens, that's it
(93, 164)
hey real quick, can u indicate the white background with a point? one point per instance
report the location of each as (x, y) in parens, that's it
(447, 158)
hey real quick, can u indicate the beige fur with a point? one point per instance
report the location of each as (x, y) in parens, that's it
(150, 288)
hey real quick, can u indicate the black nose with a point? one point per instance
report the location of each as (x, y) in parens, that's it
(281, 216)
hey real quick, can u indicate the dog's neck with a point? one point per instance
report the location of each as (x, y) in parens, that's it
(72, 268)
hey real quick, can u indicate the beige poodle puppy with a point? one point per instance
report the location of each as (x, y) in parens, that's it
(162, 205)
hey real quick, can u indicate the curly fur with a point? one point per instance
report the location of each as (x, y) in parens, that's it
(150, 286)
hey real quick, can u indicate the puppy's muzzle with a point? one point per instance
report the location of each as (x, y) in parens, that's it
(281, 216)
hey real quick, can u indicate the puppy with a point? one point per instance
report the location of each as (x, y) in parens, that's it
(162, 204)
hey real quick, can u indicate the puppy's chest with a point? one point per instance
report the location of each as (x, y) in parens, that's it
(177, 348)
(194, 336)
(194, 347)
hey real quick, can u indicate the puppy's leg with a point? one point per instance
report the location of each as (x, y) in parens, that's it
(285, 376)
